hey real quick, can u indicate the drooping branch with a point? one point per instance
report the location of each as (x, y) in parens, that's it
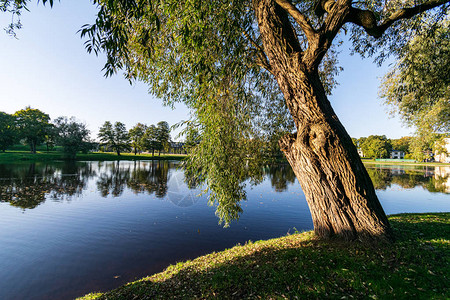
(302, 20)
(367, 19)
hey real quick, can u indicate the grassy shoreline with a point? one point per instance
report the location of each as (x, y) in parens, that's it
(24, 156)
(430, 164)
(301, 266)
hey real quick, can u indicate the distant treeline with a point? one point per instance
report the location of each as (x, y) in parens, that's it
(418, 148)
(34, 128)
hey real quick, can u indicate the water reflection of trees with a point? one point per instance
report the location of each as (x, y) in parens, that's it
(280, 176)
(435, 180)
(140, 177)
(28, 185)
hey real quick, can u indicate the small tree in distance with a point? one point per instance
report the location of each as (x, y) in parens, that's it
(150, 139)
(402, 144)
(376, 146)
(73, 136)
(32, 125)
(8, 133)
(137, 137)
(162, 135)
(116, 137)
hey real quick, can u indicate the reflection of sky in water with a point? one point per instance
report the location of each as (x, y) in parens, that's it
(178, 193)
(398, 200)
(130, 219)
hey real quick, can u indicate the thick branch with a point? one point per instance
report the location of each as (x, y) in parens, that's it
(367, 20)
(337, 12)
(261, 60)
(323, 6)
(301, 19)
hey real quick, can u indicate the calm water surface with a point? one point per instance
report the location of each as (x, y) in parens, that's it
(70, 229)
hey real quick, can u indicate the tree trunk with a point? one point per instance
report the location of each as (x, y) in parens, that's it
(338, 189)
(33, 147)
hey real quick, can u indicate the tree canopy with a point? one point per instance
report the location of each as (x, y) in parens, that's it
(116, 137)
(418, 85)
(162, 135)
(233, 62)
(136, 136)
(402, 144)
(33, 125)
(376, 146)
(7, 130)
(73, 136)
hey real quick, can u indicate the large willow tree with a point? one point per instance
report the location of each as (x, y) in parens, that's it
(240, 65)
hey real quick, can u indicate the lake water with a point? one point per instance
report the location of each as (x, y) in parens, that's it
(70, 229)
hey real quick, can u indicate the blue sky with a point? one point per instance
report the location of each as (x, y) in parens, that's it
(48, 68)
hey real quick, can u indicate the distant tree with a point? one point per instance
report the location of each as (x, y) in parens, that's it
(137, 137)
(32, 125)
(73, 136)
(51, 136)
(376, 146)
(106, 133)
(402, 144)
(8, 134)
(116, 137)
(162, 135)
(425, 143)
(361, 141)
(150, 141)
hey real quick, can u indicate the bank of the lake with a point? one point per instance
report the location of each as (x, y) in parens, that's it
(416, 266)
(403, 163)
(47, 156)
(18, 156)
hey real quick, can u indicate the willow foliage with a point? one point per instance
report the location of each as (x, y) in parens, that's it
(418, 86)
(209, 55)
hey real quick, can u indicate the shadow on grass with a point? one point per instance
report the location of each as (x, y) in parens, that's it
(297, 266)
(425, 226)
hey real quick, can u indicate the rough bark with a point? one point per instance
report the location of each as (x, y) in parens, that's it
(339, 192)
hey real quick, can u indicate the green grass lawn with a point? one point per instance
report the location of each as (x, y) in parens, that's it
(300, 266)
(17, 156)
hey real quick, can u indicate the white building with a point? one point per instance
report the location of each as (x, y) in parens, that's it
(360, 152)
(397, 154)
(444, 154)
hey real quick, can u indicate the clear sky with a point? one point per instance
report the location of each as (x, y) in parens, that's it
(48, 68)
